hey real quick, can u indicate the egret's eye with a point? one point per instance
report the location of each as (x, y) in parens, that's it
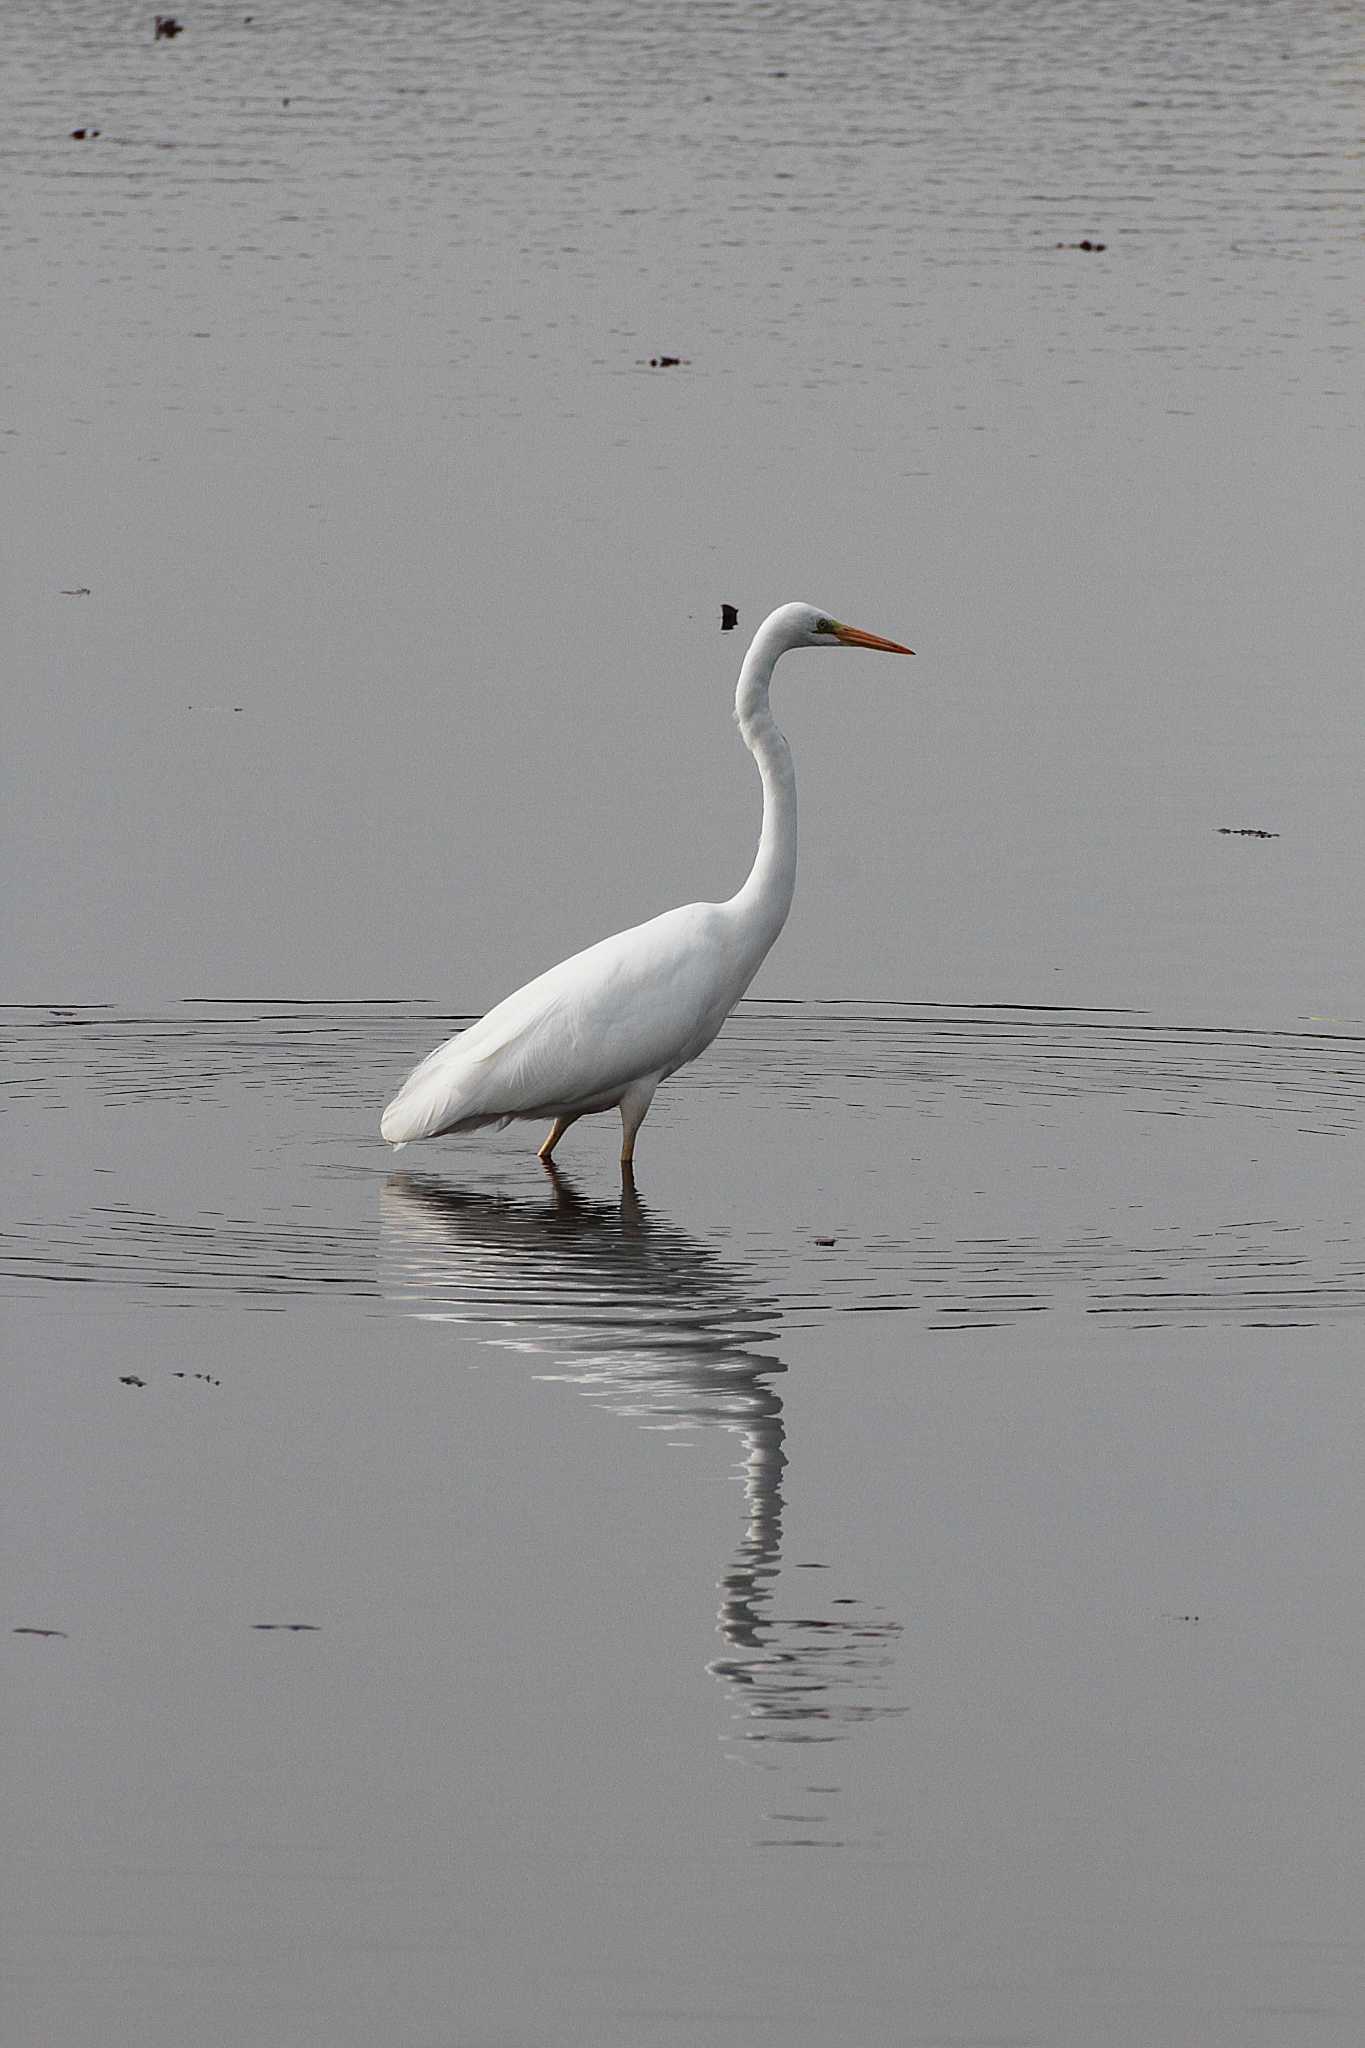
(824, 625)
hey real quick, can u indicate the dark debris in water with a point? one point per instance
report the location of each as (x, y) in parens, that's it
(81, 590)
(1090, 248)
(729, 618)
(668, 362)
(38, 1632)
(84, 134)
(130, 1379)
(296, 1628)
(1246, 832)
(167, 27)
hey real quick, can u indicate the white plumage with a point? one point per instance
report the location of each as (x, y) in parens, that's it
(602, 1029)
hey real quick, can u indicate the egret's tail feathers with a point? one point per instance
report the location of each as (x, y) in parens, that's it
(477, 1080)
(425, 1111)
(402, 1121)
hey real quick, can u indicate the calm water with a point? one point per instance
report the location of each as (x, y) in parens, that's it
(965, 1489)
(893, 1577)
(327, 377)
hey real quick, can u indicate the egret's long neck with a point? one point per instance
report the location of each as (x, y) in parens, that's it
(766, 897)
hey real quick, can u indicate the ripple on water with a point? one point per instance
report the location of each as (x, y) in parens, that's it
(888, 1061)
(674, 1331)
(680, 156)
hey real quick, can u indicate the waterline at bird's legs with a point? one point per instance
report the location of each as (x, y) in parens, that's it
(556, 1132)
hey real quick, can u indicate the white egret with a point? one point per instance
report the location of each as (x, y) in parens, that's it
(603, 1029)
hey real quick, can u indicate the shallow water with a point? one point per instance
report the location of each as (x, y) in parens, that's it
(970, 1497)
(891, 1577)
(328, 380)
(974, 1094)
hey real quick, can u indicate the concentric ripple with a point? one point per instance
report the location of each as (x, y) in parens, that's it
(315, 1071)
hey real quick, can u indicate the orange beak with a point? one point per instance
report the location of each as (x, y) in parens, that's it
(854, 636)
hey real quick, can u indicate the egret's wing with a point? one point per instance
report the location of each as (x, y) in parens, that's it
(639, 1002)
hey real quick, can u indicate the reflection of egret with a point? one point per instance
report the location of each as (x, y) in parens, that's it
(641, 1315)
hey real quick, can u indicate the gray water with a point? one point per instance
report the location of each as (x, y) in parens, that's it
(892, 1577)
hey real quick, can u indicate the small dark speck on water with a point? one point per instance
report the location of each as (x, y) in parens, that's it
(825, 1240)
(84, 134)
(130, 1379)
(290, 1627)
(667, 362)
(1091, 248)
(38, 1632)
(1246, 832)
(166, 27)
(81, 590)
(729, 618)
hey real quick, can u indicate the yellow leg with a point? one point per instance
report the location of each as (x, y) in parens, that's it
(556, 1132)
(634, 1108)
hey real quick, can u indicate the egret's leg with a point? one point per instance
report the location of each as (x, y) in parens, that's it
(634, 1108)
(557, 1130)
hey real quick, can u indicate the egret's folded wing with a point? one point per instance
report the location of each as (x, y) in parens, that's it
(639, 1002)
(461, 1085)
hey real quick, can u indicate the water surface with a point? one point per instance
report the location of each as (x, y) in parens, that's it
(399, 673)
(892, 1575)
(938, 1601)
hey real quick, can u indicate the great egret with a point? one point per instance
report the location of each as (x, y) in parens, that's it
(603, 1029)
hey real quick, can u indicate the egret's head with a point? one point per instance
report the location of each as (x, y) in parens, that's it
(805, 625)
